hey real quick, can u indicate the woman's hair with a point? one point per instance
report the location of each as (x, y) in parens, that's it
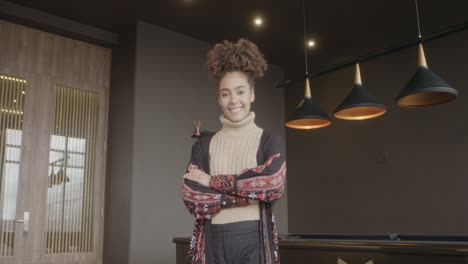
(243, 56)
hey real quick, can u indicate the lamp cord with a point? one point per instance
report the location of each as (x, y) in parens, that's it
(417, 18)
(305, 40)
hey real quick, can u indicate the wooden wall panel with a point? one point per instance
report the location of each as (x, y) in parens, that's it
(29, 51)
(46, 60)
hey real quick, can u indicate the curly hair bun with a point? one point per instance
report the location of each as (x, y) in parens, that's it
(242, 55)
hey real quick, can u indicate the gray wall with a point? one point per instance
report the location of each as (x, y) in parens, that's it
(120, 151)
(171, 89)
(339, 179)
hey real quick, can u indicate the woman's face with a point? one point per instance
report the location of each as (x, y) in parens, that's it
(235, 96)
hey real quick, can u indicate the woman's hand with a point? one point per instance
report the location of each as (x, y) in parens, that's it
(198, 176)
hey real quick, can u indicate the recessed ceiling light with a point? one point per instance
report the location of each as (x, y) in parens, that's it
(258, 21)
(311, 43)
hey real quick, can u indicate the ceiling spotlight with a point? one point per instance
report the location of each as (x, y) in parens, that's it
(258, 21)
(311, 43)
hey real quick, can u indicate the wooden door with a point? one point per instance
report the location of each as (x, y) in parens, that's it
(54, 101)
(12, 109)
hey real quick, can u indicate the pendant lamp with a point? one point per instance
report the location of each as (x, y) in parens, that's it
(425, 88)
(359, 104)
(308, 115)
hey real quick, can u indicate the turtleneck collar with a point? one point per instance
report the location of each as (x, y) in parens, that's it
(244, 126)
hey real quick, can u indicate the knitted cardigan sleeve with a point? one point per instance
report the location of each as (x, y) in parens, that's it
(203, 202)
(264, 182)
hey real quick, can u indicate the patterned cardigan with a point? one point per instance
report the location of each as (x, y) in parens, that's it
(264, 183)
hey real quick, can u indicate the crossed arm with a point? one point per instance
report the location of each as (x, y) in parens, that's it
(205, 198)
(203, 202)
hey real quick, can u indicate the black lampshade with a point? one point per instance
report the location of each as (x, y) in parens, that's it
(308, 115)
(425, 88)
(359, 104)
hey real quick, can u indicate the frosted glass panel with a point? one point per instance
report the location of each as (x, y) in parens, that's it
(12, 98)
(69, 223)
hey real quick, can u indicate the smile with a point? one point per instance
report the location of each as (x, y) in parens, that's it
(235, 110)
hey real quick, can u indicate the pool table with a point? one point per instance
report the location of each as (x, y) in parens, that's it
(364, 249)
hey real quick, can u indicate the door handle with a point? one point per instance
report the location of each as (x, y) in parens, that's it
(25, 222)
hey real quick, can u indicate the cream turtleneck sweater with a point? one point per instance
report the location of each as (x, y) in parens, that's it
(233, 149)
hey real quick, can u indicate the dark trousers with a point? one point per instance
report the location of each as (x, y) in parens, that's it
(233, 243)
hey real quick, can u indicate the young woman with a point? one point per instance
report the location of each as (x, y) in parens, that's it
(235, 176)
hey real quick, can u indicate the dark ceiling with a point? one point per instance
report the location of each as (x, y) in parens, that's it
(342, 29)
